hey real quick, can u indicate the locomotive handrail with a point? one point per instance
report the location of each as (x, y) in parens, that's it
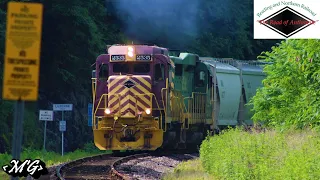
(199, 105)
(188, 114)
(165, 106)
(93, 86)
(187, 110)
(119, 107)
(105, 95)
(179, 106)
(152, 95)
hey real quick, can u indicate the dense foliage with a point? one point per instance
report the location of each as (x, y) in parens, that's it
(271, 155)
(75, 32)
(290, 95)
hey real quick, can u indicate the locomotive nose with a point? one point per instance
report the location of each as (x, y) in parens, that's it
(130, 94)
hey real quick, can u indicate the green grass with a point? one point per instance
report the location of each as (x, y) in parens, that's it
(271, 155)
(50, 158)
(190, 170)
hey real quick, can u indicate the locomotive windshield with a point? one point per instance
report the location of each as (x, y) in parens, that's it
(131, 68)
(141, 68)
(121, 68)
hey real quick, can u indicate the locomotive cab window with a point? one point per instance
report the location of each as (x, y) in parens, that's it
(141, 68)
(104, 71)
(120, 68)
(159, 72)
(200, 79)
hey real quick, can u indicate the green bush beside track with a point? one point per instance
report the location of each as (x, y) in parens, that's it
(236, 154)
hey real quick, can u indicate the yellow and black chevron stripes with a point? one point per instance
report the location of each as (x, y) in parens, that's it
(133, 97)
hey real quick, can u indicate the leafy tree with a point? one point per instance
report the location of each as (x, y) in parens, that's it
(290, 95)
(80, 32)
(227, 30)
(74, 33)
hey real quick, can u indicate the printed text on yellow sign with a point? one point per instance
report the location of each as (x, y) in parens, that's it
(22, 55)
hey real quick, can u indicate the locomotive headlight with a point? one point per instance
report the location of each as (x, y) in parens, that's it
(148, 111)
(107, 111)
(130, 54)
(130, 51)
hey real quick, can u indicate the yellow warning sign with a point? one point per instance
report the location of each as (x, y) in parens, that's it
(22, 55)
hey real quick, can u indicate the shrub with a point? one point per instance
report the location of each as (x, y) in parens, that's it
(236, 154)
(290, 95)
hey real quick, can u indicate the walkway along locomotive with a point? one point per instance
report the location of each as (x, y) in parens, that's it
(144, 99)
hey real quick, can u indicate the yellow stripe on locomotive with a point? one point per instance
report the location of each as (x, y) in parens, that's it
(135, 90)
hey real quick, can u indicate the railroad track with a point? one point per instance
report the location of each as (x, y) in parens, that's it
(95, 167)
(131, 165)
(149, 166)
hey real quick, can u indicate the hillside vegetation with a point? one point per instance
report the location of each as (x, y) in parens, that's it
(270, 155)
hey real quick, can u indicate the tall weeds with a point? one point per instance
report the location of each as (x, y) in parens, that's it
(236, 154)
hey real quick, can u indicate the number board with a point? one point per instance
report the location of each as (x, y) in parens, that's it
(143, 57)
(118, 57)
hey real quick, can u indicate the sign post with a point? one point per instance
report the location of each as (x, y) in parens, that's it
(45, 115)
(62, 128)
(62, 123)
(21, 62)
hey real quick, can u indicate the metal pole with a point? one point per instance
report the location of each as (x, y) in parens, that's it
(62, 136)
(44, 135)
(17, 131)
(62, 142)
(215, 94)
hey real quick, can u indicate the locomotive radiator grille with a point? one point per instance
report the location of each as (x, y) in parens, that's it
(134, 92)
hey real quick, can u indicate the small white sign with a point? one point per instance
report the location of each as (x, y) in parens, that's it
(62, 125)
(62, 107)
(45, 115)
